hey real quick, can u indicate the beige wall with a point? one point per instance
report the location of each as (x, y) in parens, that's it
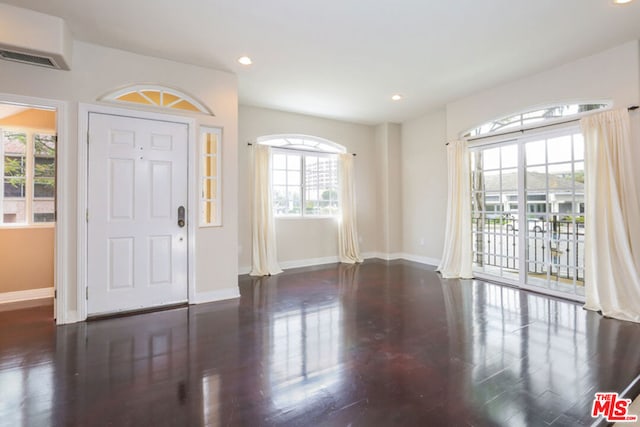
(98, 70)
(389, 202)
(32, 118)
(307, 239)
(424, 186)
(610, 75)
(26, 258)
(26, 254)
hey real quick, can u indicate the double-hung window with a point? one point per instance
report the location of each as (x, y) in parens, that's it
(28, 173)
(304, 176)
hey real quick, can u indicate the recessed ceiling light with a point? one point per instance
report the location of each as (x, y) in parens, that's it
(622, 1)
(396, 97)
(245, 60)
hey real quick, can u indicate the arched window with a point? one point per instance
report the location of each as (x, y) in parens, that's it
(304, 175)
(302, 142)
(550, 114)
(157, 96)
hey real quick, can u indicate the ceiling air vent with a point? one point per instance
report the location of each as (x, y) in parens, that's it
(28, 59)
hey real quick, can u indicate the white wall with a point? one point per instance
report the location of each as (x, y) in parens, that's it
(424, 187)
(97, 70)
(300, 240)
(388, 150)
(610, 75)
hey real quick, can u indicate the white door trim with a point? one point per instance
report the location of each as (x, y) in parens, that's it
(61, 245)
(192, 204)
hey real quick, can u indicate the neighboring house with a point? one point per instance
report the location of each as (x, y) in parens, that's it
(560, 198)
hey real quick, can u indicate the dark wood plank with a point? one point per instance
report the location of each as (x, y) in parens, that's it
(378, 344)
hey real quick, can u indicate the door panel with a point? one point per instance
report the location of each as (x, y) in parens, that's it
(137, 253)
(528, 212)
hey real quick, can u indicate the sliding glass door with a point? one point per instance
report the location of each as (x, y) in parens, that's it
(528, 212)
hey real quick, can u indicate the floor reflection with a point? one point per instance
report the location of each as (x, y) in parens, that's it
(364, 345)
(529, 353)
(304, 353)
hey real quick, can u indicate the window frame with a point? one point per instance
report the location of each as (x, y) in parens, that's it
(303, 158)
(476, 133)
(29, 177)
(203, 155)
(160, 91)
(567, 128)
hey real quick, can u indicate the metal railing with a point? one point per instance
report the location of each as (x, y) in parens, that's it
(555, 244)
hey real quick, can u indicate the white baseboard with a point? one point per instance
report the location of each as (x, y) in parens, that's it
(297, 263)
(219, 295)
(401, 255)
(421, 259)
(30, 294)
(308, 262)
(71, 317)
(382, 255)
(366, 255)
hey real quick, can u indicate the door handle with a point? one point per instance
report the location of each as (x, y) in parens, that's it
(181, 216)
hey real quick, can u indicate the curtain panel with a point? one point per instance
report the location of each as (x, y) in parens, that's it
(264, 251)
(612, 217)
(348, 247)
(457, 257)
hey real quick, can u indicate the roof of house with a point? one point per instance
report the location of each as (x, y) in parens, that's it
(534, 181)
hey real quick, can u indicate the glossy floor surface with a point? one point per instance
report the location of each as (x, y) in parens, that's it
(378, 344)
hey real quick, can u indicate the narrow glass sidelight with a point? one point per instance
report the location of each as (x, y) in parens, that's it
(210, 177)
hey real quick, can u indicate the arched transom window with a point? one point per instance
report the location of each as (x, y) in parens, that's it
(157, 96)
(302, 142)
(514, 122)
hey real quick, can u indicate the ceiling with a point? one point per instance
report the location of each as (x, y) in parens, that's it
(344, 59)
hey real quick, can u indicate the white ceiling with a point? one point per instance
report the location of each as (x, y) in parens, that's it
(345, 58)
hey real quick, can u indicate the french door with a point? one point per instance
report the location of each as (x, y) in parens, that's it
(528, 212)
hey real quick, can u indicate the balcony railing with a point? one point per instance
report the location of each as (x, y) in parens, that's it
(555, 245)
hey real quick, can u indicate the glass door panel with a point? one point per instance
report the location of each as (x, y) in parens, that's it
(528, 212)
(495, 211)
(554, 189)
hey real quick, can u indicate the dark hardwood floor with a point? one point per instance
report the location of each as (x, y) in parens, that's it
(378, 344)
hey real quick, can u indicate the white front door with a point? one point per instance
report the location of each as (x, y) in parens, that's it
(137, 249)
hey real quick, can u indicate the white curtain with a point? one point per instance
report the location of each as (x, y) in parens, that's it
(348, 247)
(456, 257)
(612, 217)
(264, 251)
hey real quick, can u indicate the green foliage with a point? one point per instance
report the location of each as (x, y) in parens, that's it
(329, 195)
(15, 162)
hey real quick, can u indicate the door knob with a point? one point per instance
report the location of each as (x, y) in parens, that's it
(181, 216)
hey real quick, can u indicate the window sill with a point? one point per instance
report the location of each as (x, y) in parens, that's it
(299, 218)
(22, 226)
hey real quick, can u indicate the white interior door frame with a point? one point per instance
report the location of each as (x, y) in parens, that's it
(62, 227)
(192, 205)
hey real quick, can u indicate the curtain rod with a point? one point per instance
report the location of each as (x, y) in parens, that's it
(633, 107)
(301, 149)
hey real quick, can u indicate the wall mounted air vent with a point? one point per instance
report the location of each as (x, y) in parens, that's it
(34, 38)
(28, 59)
